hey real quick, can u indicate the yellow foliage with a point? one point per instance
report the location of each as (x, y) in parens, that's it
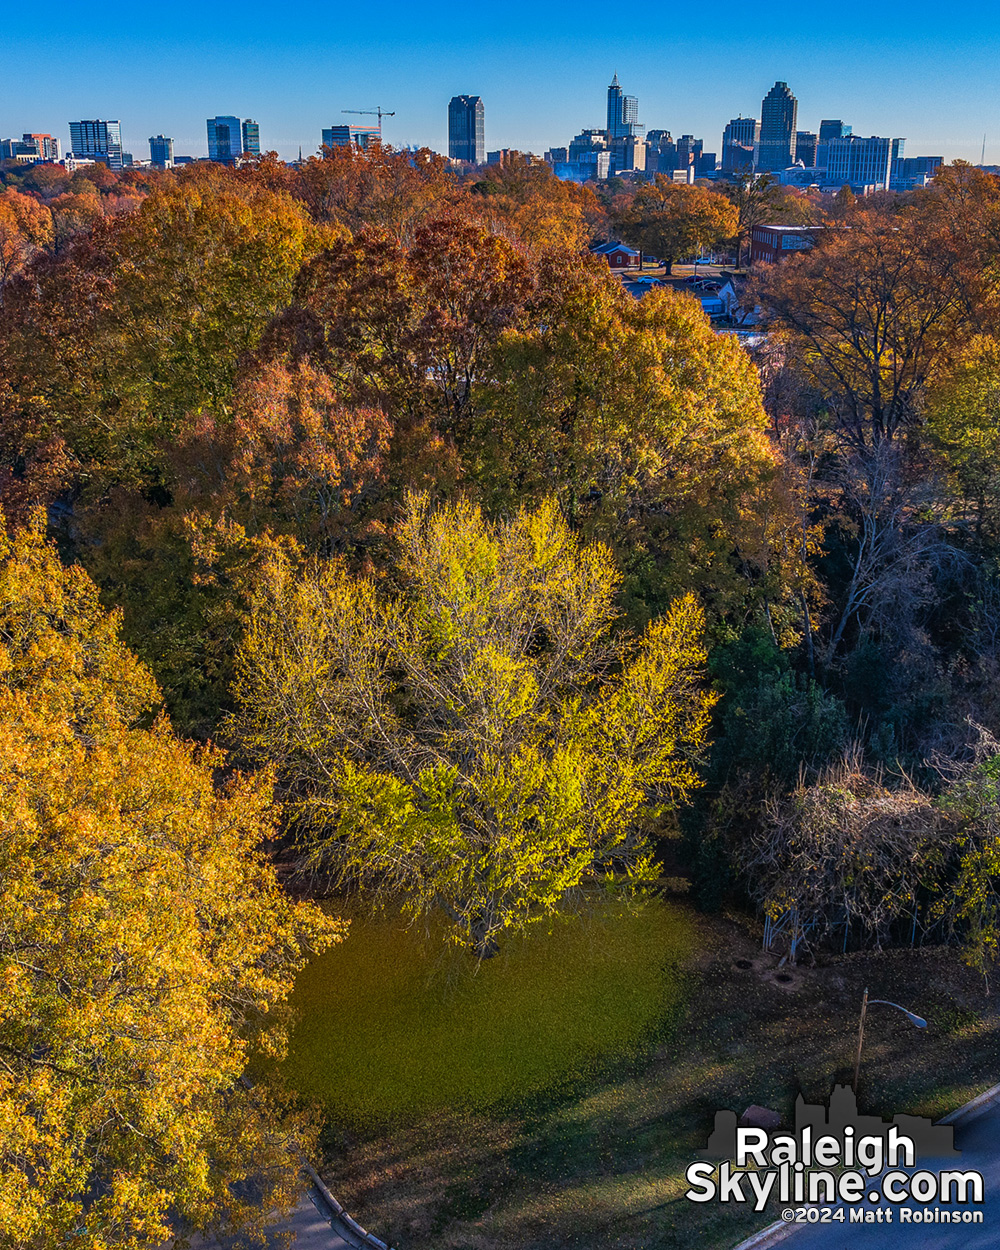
(484, 742)
(146, 946)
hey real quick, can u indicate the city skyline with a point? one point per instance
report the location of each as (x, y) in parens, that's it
(625, 107)
(166, 72)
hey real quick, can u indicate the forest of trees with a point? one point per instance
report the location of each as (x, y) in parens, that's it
(357, 522)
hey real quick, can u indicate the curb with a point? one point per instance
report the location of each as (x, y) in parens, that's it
(971, 1109)
(769, 1236)
(348, 1228)
(777, 1232)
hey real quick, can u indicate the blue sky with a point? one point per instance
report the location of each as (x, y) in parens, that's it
(925, 72)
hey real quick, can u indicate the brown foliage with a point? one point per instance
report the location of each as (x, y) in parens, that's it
(408, 329)
(379, 188)
(871, 314)
(525, 202)
(847, 845)
(293, 459)
(110, 344)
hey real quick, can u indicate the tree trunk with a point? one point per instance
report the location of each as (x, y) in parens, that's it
(482, 938)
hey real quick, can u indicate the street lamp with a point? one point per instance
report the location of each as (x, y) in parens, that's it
(916, 1020)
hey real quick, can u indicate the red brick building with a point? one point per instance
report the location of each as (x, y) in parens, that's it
(770, 244)
(619, 256)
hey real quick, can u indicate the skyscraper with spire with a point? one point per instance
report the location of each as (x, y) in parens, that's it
(628, 148)
(615, 95)
(623, 112)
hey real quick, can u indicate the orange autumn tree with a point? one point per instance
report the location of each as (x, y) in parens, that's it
(674, 221)
(291, 466)
(378, 187)
(142, 321)
(25, 228)
(524, 200)
(146, 949)
(409, 329)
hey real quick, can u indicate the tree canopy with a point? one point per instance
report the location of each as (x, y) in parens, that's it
(674, 221)
(146, 948)
(483, 744)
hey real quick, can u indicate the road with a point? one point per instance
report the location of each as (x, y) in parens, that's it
(312, 1229)
(979, 1141)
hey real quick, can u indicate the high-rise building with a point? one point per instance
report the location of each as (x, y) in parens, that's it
(832, 130)
(589, 157)
(661, 152)
(805, 148)
(862, 163)
(30, 149)
(161, 152)
(225, 138)
(623, 113)
(778, 114)
(97, 141)
(251, 137)
(351, 136)
(587, 141)
(616, 99)
(229, 139)
(828, 130)
(628, 152)
(628, 148)
(630, 112)
(913, 171)
(739, 145)
(467, 129)
(45, 147)
(689, 150)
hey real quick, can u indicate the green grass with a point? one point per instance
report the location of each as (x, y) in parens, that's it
(391, 1026)
(601, 1164)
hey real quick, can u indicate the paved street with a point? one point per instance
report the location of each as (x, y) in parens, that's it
(312, 1229)
(979, 1141)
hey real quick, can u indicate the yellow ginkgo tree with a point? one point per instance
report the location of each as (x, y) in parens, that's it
(146, 947)
(484, 743)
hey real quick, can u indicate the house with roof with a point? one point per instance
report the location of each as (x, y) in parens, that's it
(737, 304)
(618, 255)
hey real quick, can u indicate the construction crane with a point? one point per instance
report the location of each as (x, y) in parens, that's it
(375, 112)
